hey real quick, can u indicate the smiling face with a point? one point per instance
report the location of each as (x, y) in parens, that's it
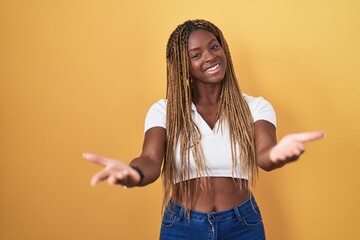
(207, 57)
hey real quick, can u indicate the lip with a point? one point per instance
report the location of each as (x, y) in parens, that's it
(217, 65)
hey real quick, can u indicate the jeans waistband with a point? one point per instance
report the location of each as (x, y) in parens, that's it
(235, 212)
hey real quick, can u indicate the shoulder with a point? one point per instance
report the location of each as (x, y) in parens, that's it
(160, 105)
(255, 102)
(260, 109)
(156, 115)
(162, 102)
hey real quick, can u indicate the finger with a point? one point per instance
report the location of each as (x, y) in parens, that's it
(293, 158)
(309, 136)
(95, 158)
(299, 148)
(119, 178)
(296, 153)
(100, 176)
(112, 180)
(122, 177)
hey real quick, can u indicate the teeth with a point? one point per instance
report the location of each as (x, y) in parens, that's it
(213, 68)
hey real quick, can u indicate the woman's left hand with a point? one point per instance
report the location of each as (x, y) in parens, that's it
(290, 147)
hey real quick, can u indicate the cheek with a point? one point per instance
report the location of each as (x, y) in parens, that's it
(191, 71)
(225, 63)
(194, 69)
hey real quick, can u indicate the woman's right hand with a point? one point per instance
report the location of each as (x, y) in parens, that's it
(114, 171)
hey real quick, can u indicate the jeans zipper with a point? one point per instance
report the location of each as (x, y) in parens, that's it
(212, 232)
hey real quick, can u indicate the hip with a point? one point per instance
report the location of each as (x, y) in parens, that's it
(243, 221)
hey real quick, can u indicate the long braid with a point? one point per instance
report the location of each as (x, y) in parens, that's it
(180, 128)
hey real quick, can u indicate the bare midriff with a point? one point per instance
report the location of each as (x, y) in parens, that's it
(221, 194)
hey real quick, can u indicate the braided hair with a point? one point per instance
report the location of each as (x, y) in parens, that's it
(180, 127)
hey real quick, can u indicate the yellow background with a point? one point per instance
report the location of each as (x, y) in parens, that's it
(80, 75)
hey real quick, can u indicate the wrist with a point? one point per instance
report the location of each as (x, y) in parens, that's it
(139, 171)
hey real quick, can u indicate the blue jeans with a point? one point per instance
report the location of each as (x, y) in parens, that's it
(241, 222)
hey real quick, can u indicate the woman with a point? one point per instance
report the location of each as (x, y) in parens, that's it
(207, 140)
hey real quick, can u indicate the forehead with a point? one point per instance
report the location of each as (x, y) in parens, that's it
(200, 37)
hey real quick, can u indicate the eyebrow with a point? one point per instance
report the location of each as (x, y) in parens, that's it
(196, 48)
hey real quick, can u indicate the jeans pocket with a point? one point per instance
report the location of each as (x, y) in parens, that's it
(252, 218)
(168, 218)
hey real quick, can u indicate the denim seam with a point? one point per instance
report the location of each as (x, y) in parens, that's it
(249, 224)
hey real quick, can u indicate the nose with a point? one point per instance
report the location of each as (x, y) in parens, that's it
(209, 56)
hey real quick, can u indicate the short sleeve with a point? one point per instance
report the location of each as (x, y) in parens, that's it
(156, 115)
(261, 109)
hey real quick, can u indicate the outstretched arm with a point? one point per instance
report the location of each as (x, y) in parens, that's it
(270, 154)
(150, 160)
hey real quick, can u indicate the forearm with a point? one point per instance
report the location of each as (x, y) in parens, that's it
(265, 141)
(265, 162)
(149, 168)
(150, 160)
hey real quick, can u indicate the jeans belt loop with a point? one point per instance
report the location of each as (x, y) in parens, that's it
(181, 214)
(237, 213)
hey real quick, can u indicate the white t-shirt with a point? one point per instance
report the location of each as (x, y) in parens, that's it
(215, 142)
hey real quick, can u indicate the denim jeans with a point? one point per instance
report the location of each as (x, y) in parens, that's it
(241, 222)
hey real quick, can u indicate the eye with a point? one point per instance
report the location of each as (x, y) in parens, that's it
(215, 46)
(195, 55)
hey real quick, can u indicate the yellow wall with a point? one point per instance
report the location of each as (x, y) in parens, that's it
(80, 75)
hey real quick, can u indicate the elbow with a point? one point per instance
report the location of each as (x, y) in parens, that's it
(266, 168)
(267, 165)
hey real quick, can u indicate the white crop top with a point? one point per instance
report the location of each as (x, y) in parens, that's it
(215, 142)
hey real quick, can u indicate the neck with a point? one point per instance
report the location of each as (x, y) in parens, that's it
(206, 93)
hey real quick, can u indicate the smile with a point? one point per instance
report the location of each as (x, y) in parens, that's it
(213, 68)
